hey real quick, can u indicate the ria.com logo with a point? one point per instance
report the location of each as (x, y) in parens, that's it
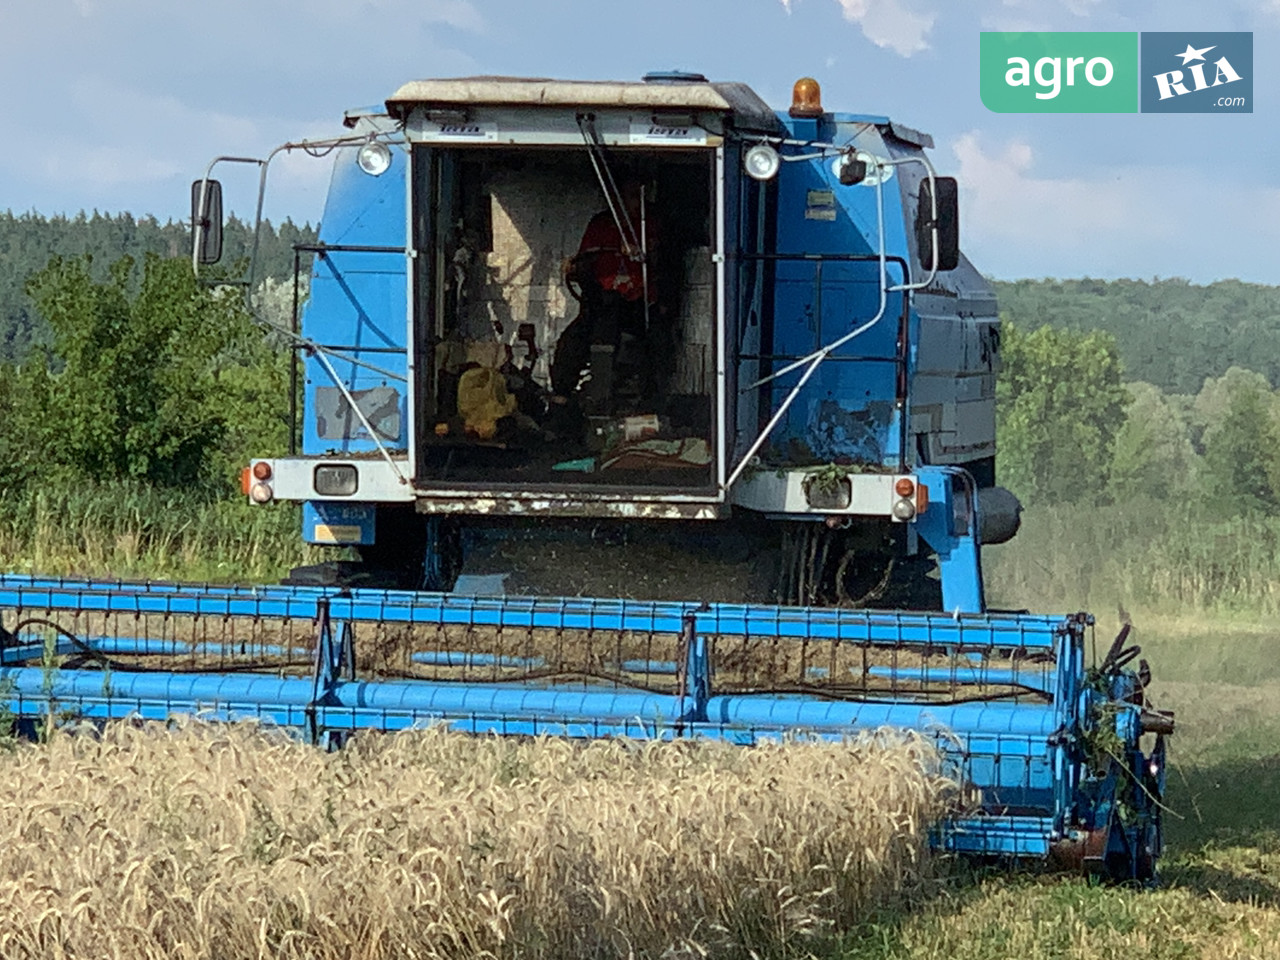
(1197, 73)
(1117, 72)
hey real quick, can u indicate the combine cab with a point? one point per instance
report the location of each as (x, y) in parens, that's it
(651, 341)
(652, 314)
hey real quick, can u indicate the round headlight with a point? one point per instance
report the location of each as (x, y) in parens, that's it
(374, 158)
(904, 510)
(261, 493)
(762, 162)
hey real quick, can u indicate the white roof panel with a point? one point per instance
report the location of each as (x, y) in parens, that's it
(732, 98)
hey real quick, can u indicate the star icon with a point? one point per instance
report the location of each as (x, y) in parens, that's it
(1191, 53)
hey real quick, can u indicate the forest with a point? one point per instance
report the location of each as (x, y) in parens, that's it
(1169, 333)
(130, 397)
(28, 241)
(1138, 423)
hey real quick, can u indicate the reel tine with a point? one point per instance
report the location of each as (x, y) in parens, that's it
(1117, 646)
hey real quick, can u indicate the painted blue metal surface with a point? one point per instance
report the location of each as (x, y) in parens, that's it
(879, 628)
(357, 307)
(353, 524)
(827, 282)
(907, 678)
(950, 527)
(824, 245)
(824, 258)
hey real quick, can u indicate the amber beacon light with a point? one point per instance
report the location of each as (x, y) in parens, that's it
(806, 98)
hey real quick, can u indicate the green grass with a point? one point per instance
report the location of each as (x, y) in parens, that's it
(127, 531)
(1173, 557)
(1217, 664)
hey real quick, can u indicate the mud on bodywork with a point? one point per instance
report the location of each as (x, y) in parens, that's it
(336, 420)
(838, 434)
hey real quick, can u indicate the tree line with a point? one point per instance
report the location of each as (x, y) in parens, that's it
(147, 376)
(124, 367)
(29, 241)
(1072, 429)
(1169, 333)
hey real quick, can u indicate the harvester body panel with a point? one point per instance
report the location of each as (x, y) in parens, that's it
(358, 310)
(445, 274)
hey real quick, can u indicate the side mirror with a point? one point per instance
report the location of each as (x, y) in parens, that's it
(206, 221)
(948, 224)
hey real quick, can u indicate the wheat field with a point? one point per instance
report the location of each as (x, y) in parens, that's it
(230, 843)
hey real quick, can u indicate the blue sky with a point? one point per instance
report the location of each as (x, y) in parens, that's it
(118, 104)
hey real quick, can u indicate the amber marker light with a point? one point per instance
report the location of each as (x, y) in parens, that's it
(922, 499)
(905, 487)
(262, 470)
(806, 99)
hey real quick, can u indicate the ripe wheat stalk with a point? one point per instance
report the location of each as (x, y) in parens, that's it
(231, 842)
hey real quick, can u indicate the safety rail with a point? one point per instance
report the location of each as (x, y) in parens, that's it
(775, 362)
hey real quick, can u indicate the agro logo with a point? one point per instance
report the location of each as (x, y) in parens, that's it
(1197, 72)
(1071, 72)
(1048, 73)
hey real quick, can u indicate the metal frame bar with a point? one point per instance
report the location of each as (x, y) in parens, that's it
(1022, 632)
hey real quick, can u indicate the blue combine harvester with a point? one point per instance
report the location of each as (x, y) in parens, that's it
(565, 341)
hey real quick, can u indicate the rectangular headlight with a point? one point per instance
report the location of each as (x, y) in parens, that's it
(828, 493)
(338, 480)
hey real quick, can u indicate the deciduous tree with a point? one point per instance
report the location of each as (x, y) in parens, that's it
(149, 386)
(1060, 404)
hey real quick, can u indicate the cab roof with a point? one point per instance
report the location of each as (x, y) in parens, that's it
(734, 99)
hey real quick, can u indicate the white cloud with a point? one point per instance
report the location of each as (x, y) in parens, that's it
(889, 23)
(107, 105)
(129, 100)
(1111, 221)
(128, 143)
(1006, 199)
(104, 166)
(1020, 16)
(1081, 8)
(886, 23)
